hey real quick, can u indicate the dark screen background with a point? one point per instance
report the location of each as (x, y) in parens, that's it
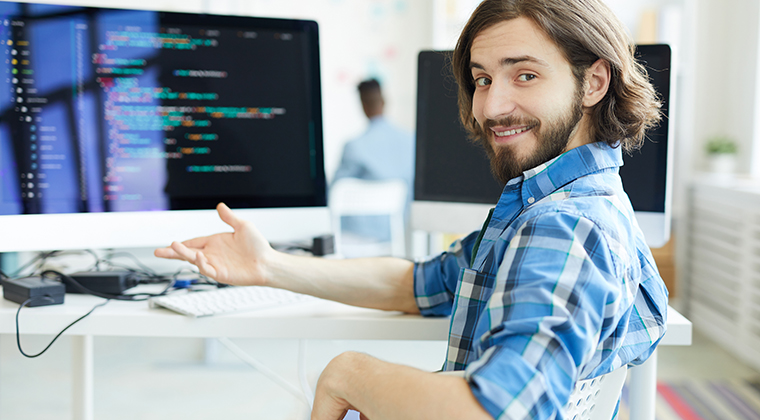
(124, 110)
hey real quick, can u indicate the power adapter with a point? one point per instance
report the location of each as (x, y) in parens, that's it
(323, 245)
(107, 282)
(42, 290)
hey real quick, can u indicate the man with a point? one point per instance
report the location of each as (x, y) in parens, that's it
(558, 286)
(382, 152)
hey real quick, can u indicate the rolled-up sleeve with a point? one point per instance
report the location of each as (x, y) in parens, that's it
(435, 279)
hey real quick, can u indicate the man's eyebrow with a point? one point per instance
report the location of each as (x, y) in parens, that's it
(510, 61)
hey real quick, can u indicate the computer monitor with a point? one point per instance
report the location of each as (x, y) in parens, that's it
(454, 188)
(124, 128)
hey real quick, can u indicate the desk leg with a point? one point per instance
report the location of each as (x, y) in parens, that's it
(82, 377)
(643, 389)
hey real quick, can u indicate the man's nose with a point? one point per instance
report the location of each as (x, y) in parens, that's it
(500, 101)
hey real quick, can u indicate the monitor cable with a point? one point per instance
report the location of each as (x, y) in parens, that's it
(30, 300)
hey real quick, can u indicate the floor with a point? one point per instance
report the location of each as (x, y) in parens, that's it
(170, 378)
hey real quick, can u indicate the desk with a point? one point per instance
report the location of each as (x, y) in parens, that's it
(319, 320)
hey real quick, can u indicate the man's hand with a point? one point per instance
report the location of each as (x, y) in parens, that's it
(244, 257)
(236, 258)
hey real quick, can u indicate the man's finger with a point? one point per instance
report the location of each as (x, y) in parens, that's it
(166, 252)
(196, 243)
(203, 265)
(228, 216)
(184, 252)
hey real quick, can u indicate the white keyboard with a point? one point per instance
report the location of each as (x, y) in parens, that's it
(226, 300)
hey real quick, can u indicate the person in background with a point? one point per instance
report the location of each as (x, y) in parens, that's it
(382, 152)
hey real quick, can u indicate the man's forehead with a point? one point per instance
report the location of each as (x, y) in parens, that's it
(514, 40)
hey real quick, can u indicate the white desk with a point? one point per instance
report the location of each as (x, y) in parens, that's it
(320, 320)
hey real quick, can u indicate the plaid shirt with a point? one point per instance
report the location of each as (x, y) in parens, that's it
(560, 287)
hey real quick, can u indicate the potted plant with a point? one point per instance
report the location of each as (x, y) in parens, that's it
(721, 154)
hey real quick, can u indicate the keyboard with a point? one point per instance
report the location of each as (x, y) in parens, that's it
(227, 300)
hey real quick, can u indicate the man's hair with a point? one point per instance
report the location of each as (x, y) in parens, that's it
(584, 31)
(371, 94)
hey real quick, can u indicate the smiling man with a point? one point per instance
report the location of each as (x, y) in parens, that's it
(558, 286)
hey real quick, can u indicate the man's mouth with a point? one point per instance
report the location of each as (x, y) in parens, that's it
(503, 132)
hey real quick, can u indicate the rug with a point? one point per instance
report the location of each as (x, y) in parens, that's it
(734, 399)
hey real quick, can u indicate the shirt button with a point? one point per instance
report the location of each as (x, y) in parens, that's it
(531, 200)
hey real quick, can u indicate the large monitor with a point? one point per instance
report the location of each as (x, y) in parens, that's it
(454, 188)
(124, 128)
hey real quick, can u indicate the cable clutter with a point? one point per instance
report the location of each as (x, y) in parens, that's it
(106, 279)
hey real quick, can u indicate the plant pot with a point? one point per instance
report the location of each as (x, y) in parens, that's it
(722, 163)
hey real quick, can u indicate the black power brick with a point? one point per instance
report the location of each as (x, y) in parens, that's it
(323, 245)
(107, 282)
(41, 290)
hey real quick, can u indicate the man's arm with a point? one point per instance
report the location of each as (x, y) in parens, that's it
(244, 257)
(382, 390)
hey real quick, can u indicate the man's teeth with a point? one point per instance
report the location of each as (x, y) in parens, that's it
(512, 132)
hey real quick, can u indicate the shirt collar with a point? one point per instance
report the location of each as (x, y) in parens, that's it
(537, 183)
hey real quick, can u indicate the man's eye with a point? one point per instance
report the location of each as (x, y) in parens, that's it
(526, 77)
(482, 81)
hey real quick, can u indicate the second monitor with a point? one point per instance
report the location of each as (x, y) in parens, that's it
(454, 188)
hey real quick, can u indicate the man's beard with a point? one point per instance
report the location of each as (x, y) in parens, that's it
(551, 142)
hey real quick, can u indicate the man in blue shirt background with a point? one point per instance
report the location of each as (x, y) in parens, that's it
(558, 286)
(382, 152)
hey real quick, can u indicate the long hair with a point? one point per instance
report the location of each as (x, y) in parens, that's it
(584, 31)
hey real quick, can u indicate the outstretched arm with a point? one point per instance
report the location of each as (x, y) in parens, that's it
(244, 257)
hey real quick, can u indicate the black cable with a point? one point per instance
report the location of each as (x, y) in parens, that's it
(18, 333)
(145, 269)
(40, 256)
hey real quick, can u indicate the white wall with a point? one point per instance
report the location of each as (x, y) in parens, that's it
(726, 69)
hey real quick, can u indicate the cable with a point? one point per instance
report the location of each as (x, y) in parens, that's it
(18, 333)
(40, 256)
(145, 269)
(269, 373)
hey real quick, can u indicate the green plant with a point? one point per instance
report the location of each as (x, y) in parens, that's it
(720, 145)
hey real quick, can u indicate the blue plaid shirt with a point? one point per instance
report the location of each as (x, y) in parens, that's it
(560, 287)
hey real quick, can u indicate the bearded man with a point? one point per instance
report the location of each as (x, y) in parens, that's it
(558, 286)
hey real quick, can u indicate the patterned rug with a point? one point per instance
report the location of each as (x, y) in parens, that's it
(704, 400)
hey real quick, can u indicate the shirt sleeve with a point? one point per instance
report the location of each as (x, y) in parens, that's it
(563, 292)
(435, 280)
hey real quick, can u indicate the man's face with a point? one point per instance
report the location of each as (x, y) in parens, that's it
(527, 102)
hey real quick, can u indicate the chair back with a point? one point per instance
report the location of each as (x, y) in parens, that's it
(596, 398)
(360, 197)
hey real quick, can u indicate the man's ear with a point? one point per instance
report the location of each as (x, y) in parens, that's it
(597, 82)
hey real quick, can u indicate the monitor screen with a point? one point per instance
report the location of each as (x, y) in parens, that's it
(118, 115)
(454, 187)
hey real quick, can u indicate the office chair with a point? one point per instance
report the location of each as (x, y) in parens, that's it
(359, 197)
(596, 398)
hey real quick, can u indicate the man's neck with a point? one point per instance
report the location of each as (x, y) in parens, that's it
(581, 135)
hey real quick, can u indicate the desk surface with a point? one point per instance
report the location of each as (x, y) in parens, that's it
(318, 319)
